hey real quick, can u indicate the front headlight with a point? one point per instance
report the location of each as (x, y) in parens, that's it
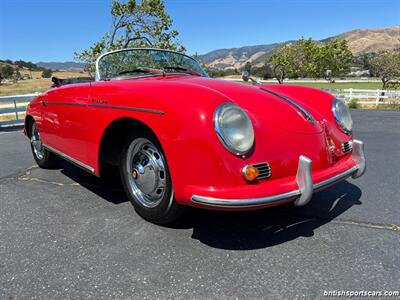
(342, 116)
(234, 128)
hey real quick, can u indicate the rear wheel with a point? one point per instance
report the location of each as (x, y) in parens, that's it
(146, 180)
(44, 158)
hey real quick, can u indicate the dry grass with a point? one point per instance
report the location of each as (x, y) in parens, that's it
(4, 118)
(36, 84)
(391, 103)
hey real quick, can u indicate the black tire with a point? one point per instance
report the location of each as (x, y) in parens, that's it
(43, 157)
(165, 210)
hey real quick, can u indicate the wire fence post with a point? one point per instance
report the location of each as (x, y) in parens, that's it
(12, 106)
(377, 97)
(16, 111)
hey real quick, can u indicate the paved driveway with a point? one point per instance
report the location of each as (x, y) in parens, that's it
(66, 234)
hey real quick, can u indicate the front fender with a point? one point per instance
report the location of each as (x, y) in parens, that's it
(319, 103)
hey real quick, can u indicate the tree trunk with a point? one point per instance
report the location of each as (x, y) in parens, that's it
(279, 74)
(384, 83)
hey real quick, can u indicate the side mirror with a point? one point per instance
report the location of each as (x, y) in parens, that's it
(245, 76)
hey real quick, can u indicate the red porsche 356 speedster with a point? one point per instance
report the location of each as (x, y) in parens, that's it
(181, 138)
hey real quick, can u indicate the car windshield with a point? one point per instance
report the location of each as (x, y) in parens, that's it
(140, 62)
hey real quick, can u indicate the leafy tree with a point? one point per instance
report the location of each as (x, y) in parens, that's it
(16, 75)
(386, 66)
(47, 73)
(133, 23)
(216, 72)
(6, 71)
(264, 72)
(196, 56)
(267, 72)
(283, 62)
(332, 59)
(297, 59)
(306, 58)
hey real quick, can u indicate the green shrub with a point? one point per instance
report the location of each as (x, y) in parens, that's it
(354, 104)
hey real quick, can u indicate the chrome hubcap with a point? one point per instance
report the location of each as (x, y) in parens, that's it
(146, 172)
(36, 142)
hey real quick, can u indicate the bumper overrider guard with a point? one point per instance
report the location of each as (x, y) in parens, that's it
(304, 181)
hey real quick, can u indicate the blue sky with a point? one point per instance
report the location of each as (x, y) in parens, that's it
(51, 30)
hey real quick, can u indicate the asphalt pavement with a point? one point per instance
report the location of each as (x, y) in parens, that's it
(65, 234)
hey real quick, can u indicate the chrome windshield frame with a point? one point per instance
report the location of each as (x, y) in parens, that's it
(98, 78)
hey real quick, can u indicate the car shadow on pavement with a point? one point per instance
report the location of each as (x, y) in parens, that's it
(245, 230)
(271, 226)
(109, 189)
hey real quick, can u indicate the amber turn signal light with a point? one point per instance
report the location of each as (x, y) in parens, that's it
(250, 173)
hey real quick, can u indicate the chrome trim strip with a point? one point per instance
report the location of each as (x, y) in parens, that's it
(70, 159)
(146, 110)
(63, 103)
(335, 179)
(97, 76)
(303, 111)
(153, 111)
(252, 202)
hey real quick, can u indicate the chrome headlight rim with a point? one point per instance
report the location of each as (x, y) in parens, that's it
(220, 133)
(338, 117)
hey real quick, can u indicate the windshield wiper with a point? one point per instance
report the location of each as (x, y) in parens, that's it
(142, 70)
(187, 70)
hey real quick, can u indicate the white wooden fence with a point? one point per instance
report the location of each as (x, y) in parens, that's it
(11, 107)
(373, 97)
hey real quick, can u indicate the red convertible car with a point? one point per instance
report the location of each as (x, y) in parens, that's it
(180, 138)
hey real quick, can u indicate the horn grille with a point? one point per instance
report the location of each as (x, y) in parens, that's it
(347, 147)
(264, 170)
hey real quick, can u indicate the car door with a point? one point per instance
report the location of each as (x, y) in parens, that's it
(64, 121)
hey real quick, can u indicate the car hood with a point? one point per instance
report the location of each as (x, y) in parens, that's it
(259, 104)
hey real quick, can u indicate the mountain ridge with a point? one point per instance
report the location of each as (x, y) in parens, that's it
(62, 66)
(360, 41)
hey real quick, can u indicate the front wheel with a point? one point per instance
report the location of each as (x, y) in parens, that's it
(44, 158)
(146, 180)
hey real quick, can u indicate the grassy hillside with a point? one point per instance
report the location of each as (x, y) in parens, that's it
(36, 84)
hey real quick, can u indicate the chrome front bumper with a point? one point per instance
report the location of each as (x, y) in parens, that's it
(306, 187)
